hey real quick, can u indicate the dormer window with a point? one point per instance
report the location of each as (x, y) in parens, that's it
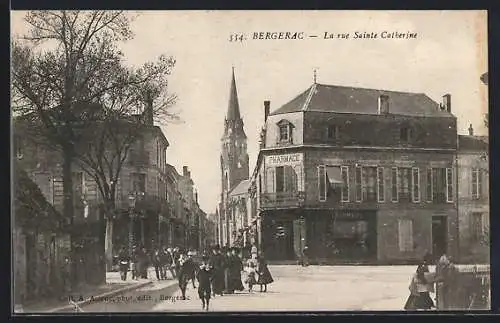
(333, 132)
(285, 131)
(404, 134)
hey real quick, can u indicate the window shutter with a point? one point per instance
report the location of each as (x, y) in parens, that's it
(270, 180)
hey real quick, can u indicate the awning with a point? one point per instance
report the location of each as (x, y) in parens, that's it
(334, 175)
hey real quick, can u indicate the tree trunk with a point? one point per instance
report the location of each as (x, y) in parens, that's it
(68, 208)
(108, 248)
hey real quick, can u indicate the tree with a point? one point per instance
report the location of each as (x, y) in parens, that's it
(66, 72)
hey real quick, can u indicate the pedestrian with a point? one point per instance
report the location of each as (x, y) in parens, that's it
(265, 277)
(235, 269)
(227, 271)
(204, 276)
(176, 255)
(156, 259)
(254, 251)
(163, 262)
(124, 263)
(191, 267)
(144, 262)
(251, 275)
(183, 274)
(217, 263)
(134, 267)
(305, 256)
(419, 298)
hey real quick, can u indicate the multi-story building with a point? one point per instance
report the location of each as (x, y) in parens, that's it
(473, 197)
(142, 177)
(357, 175)
(234, 163)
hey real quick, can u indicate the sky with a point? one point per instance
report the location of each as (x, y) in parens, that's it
(448, 56)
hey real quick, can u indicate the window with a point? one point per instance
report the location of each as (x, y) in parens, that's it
(476, 183)
(270, 180)
(344, 170)
(77, 186)
(370, 176)
(394, 184)
(476, 226)
(358, 184)
(439, 178)
(404, 135)
(449, 185)
(322, 183)
(380, 185)
(138, 182)
(405, 235)
(415, 185)
(333, 132)
(404, 184)
(284, 135)
(429, 185)
(280, 179)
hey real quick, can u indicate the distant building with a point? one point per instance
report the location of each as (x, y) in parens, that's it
(473, 198)
(234, 163)
(357, 175)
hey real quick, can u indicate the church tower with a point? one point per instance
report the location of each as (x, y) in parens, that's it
(234, 160)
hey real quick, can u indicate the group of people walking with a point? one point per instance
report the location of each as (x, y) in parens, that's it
(220, 273)
(164, 260)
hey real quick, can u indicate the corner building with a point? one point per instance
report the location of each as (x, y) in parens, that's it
(358, 175)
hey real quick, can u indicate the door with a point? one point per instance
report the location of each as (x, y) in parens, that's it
(439, 236)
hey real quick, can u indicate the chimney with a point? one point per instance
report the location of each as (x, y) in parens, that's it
(471, 130)
(148, 113)
(447, 102)
(267, 109)
(185, 171)
(383, 104)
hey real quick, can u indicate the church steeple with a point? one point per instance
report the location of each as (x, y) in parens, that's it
(233, 121)
(233, 109)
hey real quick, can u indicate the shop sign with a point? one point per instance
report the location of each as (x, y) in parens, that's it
(288, 159)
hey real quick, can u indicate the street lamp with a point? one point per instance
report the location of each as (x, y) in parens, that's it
(301, 222)
(132, 198)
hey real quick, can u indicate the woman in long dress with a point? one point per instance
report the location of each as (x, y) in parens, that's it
(265, 277)
(420, 287)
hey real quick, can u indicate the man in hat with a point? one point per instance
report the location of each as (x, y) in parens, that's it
(191, 267)
(204, 275)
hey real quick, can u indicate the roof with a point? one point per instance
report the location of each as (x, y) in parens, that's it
(241, 188)
(233, 109)
(171, 169)
(343, 99)
(472, 143)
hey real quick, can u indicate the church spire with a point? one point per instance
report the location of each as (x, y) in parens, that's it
(233, 109)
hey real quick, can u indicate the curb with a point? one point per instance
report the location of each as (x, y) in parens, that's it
(107, 294)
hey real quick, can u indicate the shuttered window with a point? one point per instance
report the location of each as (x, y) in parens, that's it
(345, 187)
(415, 185)
(405, 235)
(449, 185)
(394, 184)
(380, 185)
(322, 183)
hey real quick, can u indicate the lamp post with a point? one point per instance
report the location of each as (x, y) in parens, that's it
(132, 198)
(301, 225)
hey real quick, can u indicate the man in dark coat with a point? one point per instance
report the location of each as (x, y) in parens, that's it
(124, 262)
(156, 259)
(204, 276)
(228, 287)
(217, 262)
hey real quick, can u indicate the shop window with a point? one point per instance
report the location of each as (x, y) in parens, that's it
(405, 235)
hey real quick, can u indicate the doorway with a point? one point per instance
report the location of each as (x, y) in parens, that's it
(439, 236)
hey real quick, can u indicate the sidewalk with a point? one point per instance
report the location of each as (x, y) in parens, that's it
(114, 285)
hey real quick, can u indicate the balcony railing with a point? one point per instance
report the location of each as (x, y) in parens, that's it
(282, 199)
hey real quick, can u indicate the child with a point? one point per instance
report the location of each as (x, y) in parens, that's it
(204, 276)
(251, 273)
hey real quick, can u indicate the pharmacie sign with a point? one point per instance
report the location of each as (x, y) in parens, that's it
(288, 159)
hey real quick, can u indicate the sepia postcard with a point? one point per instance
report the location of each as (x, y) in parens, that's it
(249, 161)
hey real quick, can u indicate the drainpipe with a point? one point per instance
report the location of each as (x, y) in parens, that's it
(457, 202)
